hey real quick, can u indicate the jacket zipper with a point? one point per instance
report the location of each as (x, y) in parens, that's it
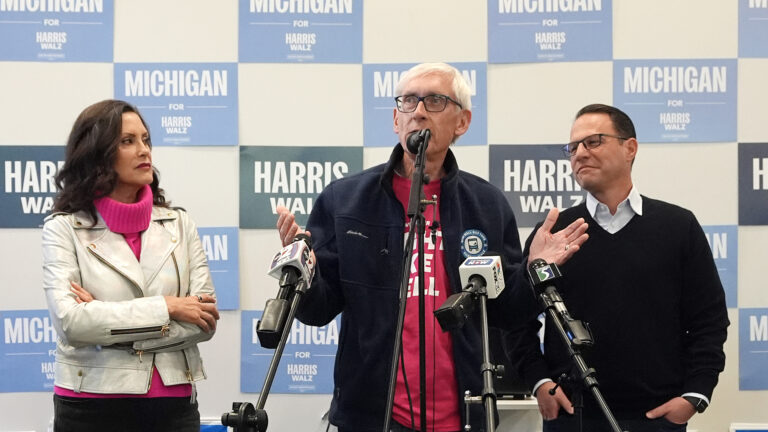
(108, 264)
(193, 396)
(150, 350)
(178, 276)
(163, 329)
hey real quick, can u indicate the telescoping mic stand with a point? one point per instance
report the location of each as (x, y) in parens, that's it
(483, 279)
(574, 334)
(416, 143)
(294, 267)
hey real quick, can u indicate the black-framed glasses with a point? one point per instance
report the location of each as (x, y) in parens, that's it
(589, 142)
(432, 103)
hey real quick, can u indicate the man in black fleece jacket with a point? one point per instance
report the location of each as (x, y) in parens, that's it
(647, 285)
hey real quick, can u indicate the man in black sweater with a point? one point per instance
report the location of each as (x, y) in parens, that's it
(647, 285)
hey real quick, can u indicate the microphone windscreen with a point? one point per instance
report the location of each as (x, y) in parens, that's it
(413, 142)
(269, 329)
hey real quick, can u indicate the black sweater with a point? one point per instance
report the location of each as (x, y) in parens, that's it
(653, 299)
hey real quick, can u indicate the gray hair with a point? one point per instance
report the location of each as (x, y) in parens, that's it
(459, 85)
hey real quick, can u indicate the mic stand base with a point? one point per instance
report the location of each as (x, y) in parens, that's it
(255, 419)
(245, 418)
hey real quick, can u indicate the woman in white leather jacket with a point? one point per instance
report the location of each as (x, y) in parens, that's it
(127, 284)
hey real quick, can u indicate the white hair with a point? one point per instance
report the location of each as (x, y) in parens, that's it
(459, 85)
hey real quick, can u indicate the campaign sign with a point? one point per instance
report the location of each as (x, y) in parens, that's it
(753, 28)
(73, 31)
(542, 31)
(753, 349)
(753, 183)
(678, 100)
(282, 31)
(28, 184)
(220, 245)
(183, 103)
(27, 351)
(724, 242)
(379, 82)
(306, 365)
(534, 178)
(291, 177)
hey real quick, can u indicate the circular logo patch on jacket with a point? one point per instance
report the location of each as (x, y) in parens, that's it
(473, 243)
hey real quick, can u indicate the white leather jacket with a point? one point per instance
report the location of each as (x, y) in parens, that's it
(109, 345)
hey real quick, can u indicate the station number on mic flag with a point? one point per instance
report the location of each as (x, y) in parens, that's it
(545, 273)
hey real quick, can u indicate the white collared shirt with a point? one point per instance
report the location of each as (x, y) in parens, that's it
(625, 211)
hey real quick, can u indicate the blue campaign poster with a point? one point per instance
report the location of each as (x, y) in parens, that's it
(192, 104)
(27, 351)
(753, 183)
(753, 28)
(724, 242)
(535, 179)
(221, 249)
(525, 31)
(27, 187)
(72, 31)
(753, 349)
(292, 177)
(678, 100)
(306, 365)
(301, 31)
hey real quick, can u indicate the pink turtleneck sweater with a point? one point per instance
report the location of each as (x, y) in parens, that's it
(131, 220)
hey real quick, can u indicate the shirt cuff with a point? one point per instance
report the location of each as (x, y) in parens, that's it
(539, 383)
(698, 395)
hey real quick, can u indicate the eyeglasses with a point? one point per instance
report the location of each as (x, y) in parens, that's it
(432, 103)
(589, 142)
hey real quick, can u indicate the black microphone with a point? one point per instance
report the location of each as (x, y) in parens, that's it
(543, 275)
(416, 138)
(293, 265)
(544, 278)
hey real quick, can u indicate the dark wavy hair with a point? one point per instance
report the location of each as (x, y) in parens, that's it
(88, 172)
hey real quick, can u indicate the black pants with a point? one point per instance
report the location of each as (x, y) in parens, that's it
(570, 423)
(73, 414)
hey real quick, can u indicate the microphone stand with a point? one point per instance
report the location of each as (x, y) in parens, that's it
(244, 417)
(489, 370)
(576, 336)
(416, 207)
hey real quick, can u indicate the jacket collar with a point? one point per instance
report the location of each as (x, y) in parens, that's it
(82, 220)
(158, 242)
(450, 167)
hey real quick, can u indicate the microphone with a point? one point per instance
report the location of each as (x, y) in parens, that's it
(416, 138)
(293, 266)
(483, 272)
(544, 277)
(297, 256)
(479, 276)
